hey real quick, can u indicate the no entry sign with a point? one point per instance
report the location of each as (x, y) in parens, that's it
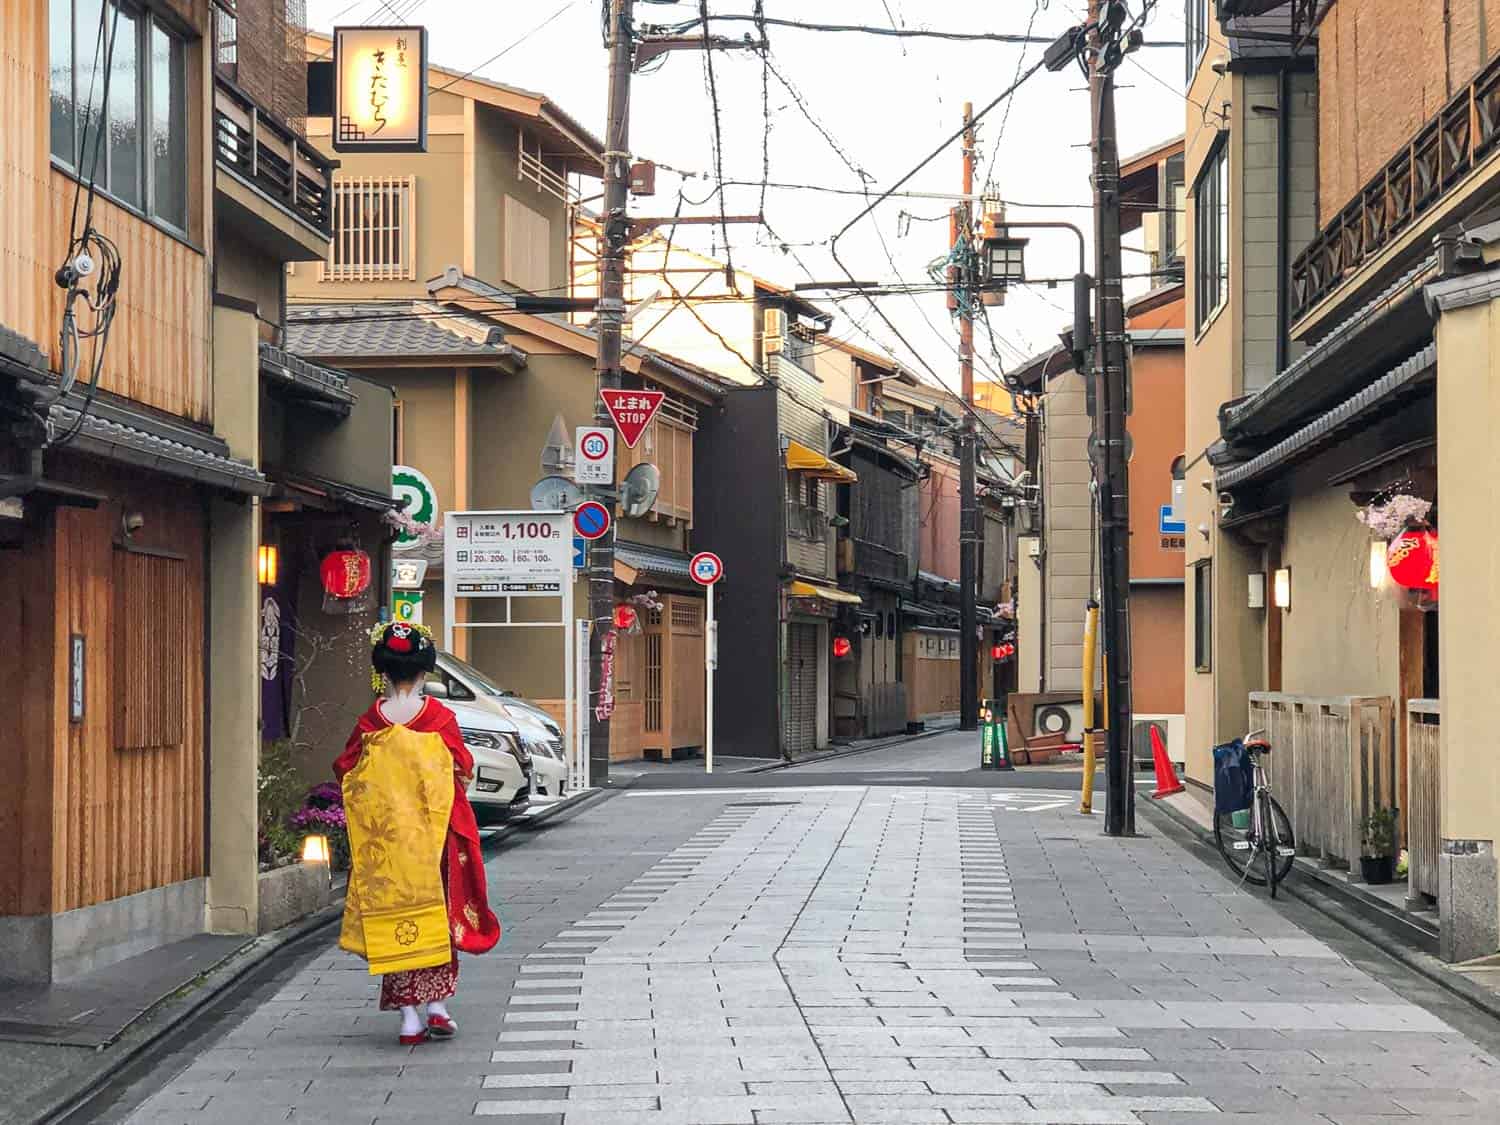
(632, 412)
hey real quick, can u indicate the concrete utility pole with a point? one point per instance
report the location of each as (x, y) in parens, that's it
(968, 520)
(1113, 379)
(611, 319)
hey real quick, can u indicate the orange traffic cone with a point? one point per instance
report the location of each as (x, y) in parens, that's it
(1166, 777)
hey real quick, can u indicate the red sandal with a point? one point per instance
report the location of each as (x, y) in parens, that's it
(441, 1027)
(414, 1040)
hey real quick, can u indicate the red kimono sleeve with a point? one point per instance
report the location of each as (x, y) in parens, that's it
(354, 747)
(453, 738)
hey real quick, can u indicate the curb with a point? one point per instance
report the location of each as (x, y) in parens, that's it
(899, 740)
(1310, 893)
(239, 967)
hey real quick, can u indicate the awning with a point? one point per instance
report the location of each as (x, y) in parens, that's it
(827, 593)
(634, 561)
(801, 459)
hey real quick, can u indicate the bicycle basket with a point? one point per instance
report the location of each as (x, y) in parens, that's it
(1234, 777)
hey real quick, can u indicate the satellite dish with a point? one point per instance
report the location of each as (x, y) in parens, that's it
(555, 494)
(639, 489)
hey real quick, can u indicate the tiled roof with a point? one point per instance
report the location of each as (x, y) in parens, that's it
(206, 460)
(19, 355)
(1369, 322)
(307, 378)
(697, 377)
(371, 331)
(660, 561)
(1315, 435)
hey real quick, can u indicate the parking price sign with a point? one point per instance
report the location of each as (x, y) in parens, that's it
(507, 554)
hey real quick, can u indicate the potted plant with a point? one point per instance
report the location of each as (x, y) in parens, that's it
(1377, 858)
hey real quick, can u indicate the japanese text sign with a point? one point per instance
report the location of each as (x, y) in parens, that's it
(380, 89)
(632, 412)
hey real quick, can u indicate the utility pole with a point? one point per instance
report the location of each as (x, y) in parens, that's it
(1106, 18)
(611, 318)
(968, 520)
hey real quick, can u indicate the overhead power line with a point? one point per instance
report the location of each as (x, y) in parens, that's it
(891, 32)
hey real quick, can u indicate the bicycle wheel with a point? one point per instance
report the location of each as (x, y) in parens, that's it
(1240, 847)
(1278, 846)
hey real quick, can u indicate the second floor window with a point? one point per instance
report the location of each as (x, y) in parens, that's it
(136, 148)
(1196, 18)
(1211, 237)
(373, 225)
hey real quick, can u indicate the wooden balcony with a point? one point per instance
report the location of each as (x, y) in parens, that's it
(1332, 763)
(1413, 182)
(266, 153)
(1423, 798)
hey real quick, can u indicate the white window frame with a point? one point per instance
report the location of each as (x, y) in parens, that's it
(383, 251)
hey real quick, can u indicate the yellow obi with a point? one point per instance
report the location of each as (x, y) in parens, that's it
(397, 800)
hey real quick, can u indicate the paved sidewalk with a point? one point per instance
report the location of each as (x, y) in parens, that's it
(855, 954)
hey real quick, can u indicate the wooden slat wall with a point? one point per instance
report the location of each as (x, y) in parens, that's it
(26, 601)
(159, 347)
(127, 820)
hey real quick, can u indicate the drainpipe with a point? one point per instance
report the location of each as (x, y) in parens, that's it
(1283, 220)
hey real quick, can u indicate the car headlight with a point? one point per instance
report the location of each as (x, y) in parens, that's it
(489, 739)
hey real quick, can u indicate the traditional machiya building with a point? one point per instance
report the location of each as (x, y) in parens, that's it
(1350, 411)
(135, 481)
(461, 361)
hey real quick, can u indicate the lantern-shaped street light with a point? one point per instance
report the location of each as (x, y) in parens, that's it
(1004, 261)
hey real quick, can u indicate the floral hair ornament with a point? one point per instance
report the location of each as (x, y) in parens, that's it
(399, 640)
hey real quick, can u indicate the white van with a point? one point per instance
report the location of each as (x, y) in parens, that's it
(460, 684)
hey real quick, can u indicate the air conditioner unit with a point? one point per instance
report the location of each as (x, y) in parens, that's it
(773, 331)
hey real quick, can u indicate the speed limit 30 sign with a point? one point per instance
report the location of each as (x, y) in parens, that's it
(594, 455)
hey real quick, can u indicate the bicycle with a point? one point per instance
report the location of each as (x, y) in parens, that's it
(1265, 838)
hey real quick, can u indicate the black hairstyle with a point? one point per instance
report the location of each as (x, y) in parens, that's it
(403, 653)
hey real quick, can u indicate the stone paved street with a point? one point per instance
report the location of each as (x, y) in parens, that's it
(849, 953)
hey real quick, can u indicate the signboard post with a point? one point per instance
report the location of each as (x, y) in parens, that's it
(594, 455)
(509, 555)
(707, 568)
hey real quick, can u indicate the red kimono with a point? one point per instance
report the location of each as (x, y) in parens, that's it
(472, 926)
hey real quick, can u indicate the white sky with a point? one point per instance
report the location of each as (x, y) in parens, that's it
(887, 102)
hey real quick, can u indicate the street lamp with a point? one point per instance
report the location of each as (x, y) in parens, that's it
(1005, 261)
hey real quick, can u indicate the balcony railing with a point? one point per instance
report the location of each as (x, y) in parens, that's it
(1332, 764)
(1411, 184)
(266, 152)
(1423, 796)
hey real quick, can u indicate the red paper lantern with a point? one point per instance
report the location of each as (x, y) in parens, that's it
(346, 574)
(842, 647)
(625, 617)
(997, 652)
(1412, 559)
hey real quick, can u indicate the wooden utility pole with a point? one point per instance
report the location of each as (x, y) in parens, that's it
(611, 319)
(1111, 465)
(968, 520)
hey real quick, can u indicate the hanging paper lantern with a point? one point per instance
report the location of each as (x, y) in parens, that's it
(842, 647)
(346, 574)
(625, 617)
(1412, 559)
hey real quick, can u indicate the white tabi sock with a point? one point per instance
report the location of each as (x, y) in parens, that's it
(411, 1020)
(439, 1009)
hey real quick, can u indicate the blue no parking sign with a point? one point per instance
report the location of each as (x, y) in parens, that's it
(591, 520)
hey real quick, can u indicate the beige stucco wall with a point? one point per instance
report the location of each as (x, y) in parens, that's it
(233, 622)
(1334, 610)
(1213, 361)
(1068, 511)
(1028, 617)
(1468, 493)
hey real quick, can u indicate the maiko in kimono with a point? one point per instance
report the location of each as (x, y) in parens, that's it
(416, 893)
